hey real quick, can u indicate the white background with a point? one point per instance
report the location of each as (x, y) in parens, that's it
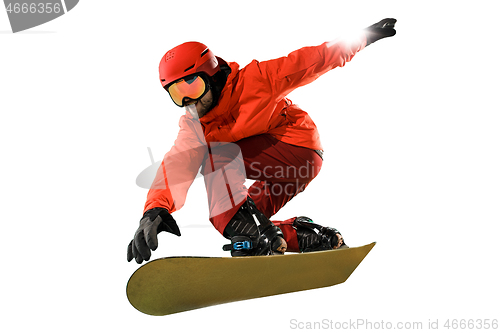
(410, 128)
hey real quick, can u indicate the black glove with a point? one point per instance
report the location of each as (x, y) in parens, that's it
(382, 29)
(153, 222)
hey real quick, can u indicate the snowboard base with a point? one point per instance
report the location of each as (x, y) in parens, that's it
(175, 284)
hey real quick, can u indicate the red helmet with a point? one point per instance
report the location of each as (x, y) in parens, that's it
(187, 59)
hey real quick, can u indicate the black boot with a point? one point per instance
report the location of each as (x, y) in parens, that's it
(252, 233)
(313, 237)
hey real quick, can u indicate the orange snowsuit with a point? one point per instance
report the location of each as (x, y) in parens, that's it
(253, 102)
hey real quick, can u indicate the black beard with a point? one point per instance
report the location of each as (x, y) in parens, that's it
(207, 108)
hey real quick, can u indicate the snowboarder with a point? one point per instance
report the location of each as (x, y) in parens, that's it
(240, 125)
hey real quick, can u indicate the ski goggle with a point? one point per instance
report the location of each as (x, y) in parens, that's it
(192, 87)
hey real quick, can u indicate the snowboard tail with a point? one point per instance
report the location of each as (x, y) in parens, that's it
(175, 284)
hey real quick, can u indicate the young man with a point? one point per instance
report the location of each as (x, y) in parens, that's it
(239, 125)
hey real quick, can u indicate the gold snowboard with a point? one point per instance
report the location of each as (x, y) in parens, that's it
(175, 284)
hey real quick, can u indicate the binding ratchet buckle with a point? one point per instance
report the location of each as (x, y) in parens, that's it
(245, 245)
(239, 243)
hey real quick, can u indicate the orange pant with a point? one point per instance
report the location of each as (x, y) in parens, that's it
(280, 170)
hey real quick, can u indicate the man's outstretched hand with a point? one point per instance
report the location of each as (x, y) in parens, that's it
(379, 30)
(153, 222)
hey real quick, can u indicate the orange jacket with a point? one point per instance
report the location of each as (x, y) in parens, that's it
(252, 102)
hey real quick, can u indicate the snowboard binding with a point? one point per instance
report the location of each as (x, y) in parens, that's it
(252, 233)
(313, 237)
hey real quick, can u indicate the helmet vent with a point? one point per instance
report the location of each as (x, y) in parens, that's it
(204, 52)
(190, 67)
(169, 56)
